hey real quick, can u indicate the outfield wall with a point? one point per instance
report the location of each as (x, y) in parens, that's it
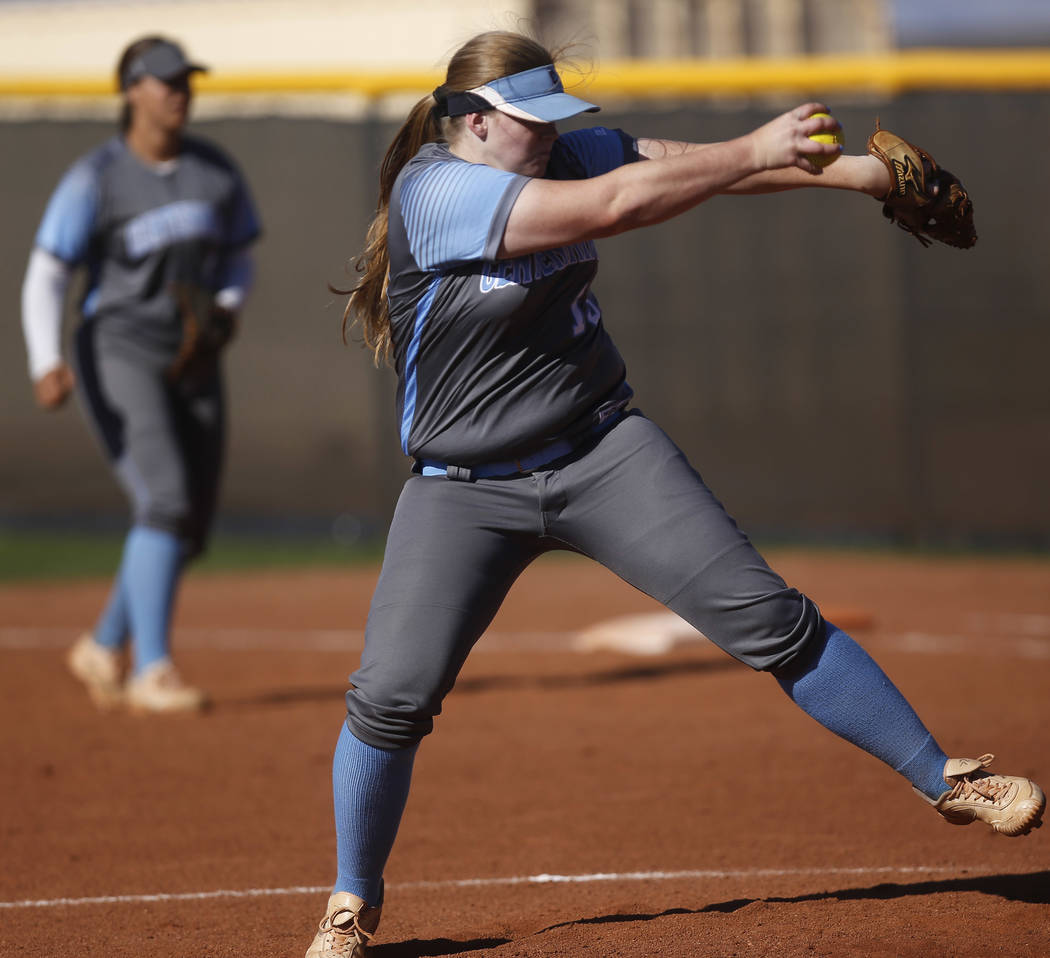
(829, 376)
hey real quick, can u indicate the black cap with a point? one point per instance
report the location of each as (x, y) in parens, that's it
(164, 60)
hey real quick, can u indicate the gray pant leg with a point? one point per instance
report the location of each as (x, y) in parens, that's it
(200, 427)
(165, 443)
(453, 551)
(636, 505)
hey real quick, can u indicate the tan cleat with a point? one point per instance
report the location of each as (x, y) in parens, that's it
(160, 688)
(1010, 805)
(347, 928)
(100, 669)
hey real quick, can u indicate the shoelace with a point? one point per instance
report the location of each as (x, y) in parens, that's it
(980, 785)
(171, 680)
(353, 932)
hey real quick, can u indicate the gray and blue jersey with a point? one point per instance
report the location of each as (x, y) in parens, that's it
(495, 358)
(139, 230)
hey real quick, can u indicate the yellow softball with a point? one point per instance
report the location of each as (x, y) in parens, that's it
(823, 159)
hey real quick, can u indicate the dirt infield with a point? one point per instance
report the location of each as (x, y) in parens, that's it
(569, 803)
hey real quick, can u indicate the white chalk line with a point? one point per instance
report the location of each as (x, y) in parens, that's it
(1014, 646)
(687, 874)
(22, 638)
(1023, 623)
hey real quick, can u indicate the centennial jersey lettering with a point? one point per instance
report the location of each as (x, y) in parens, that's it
(168, 225)
(523, 270)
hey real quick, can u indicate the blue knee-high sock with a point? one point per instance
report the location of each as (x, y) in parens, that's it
(370, 786)
(114, 624)
(844, 689)
(149, 576)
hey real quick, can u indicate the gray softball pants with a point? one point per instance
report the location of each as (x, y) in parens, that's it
(164, 441)
(629, 500)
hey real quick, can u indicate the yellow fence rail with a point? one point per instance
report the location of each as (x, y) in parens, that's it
(900, 72)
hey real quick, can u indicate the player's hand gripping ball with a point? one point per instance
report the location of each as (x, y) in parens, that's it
(836, 136)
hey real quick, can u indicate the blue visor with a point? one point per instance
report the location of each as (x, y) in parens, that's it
(536, 95)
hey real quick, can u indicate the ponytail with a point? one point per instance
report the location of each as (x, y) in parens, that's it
(367, 305)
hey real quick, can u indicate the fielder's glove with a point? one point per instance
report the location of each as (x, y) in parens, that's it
(206, 330)
(924, 199)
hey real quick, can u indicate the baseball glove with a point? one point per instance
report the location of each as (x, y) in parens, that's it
(925, 199)
(206, 330)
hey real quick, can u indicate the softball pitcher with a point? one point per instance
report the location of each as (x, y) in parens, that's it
(514, 403)
(161, 222)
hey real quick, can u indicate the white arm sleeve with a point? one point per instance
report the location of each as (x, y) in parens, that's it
(236, 281)
(43, 296)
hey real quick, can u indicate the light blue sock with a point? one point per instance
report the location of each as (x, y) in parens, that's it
(113, 625)
(370, 786)
(149, 576)
(844, 689)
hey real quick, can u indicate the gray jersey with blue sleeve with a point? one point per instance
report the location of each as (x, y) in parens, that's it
(141, 230)
(495, 358)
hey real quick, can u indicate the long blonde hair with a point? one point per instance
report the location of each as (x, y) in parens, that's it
(484, 58)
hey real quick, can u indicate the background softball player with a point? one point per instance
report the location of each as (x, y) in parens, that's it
(514, 403)
(162, 223)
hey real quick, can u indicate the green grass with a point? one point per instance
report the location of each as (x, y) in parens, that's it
(26, 556)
